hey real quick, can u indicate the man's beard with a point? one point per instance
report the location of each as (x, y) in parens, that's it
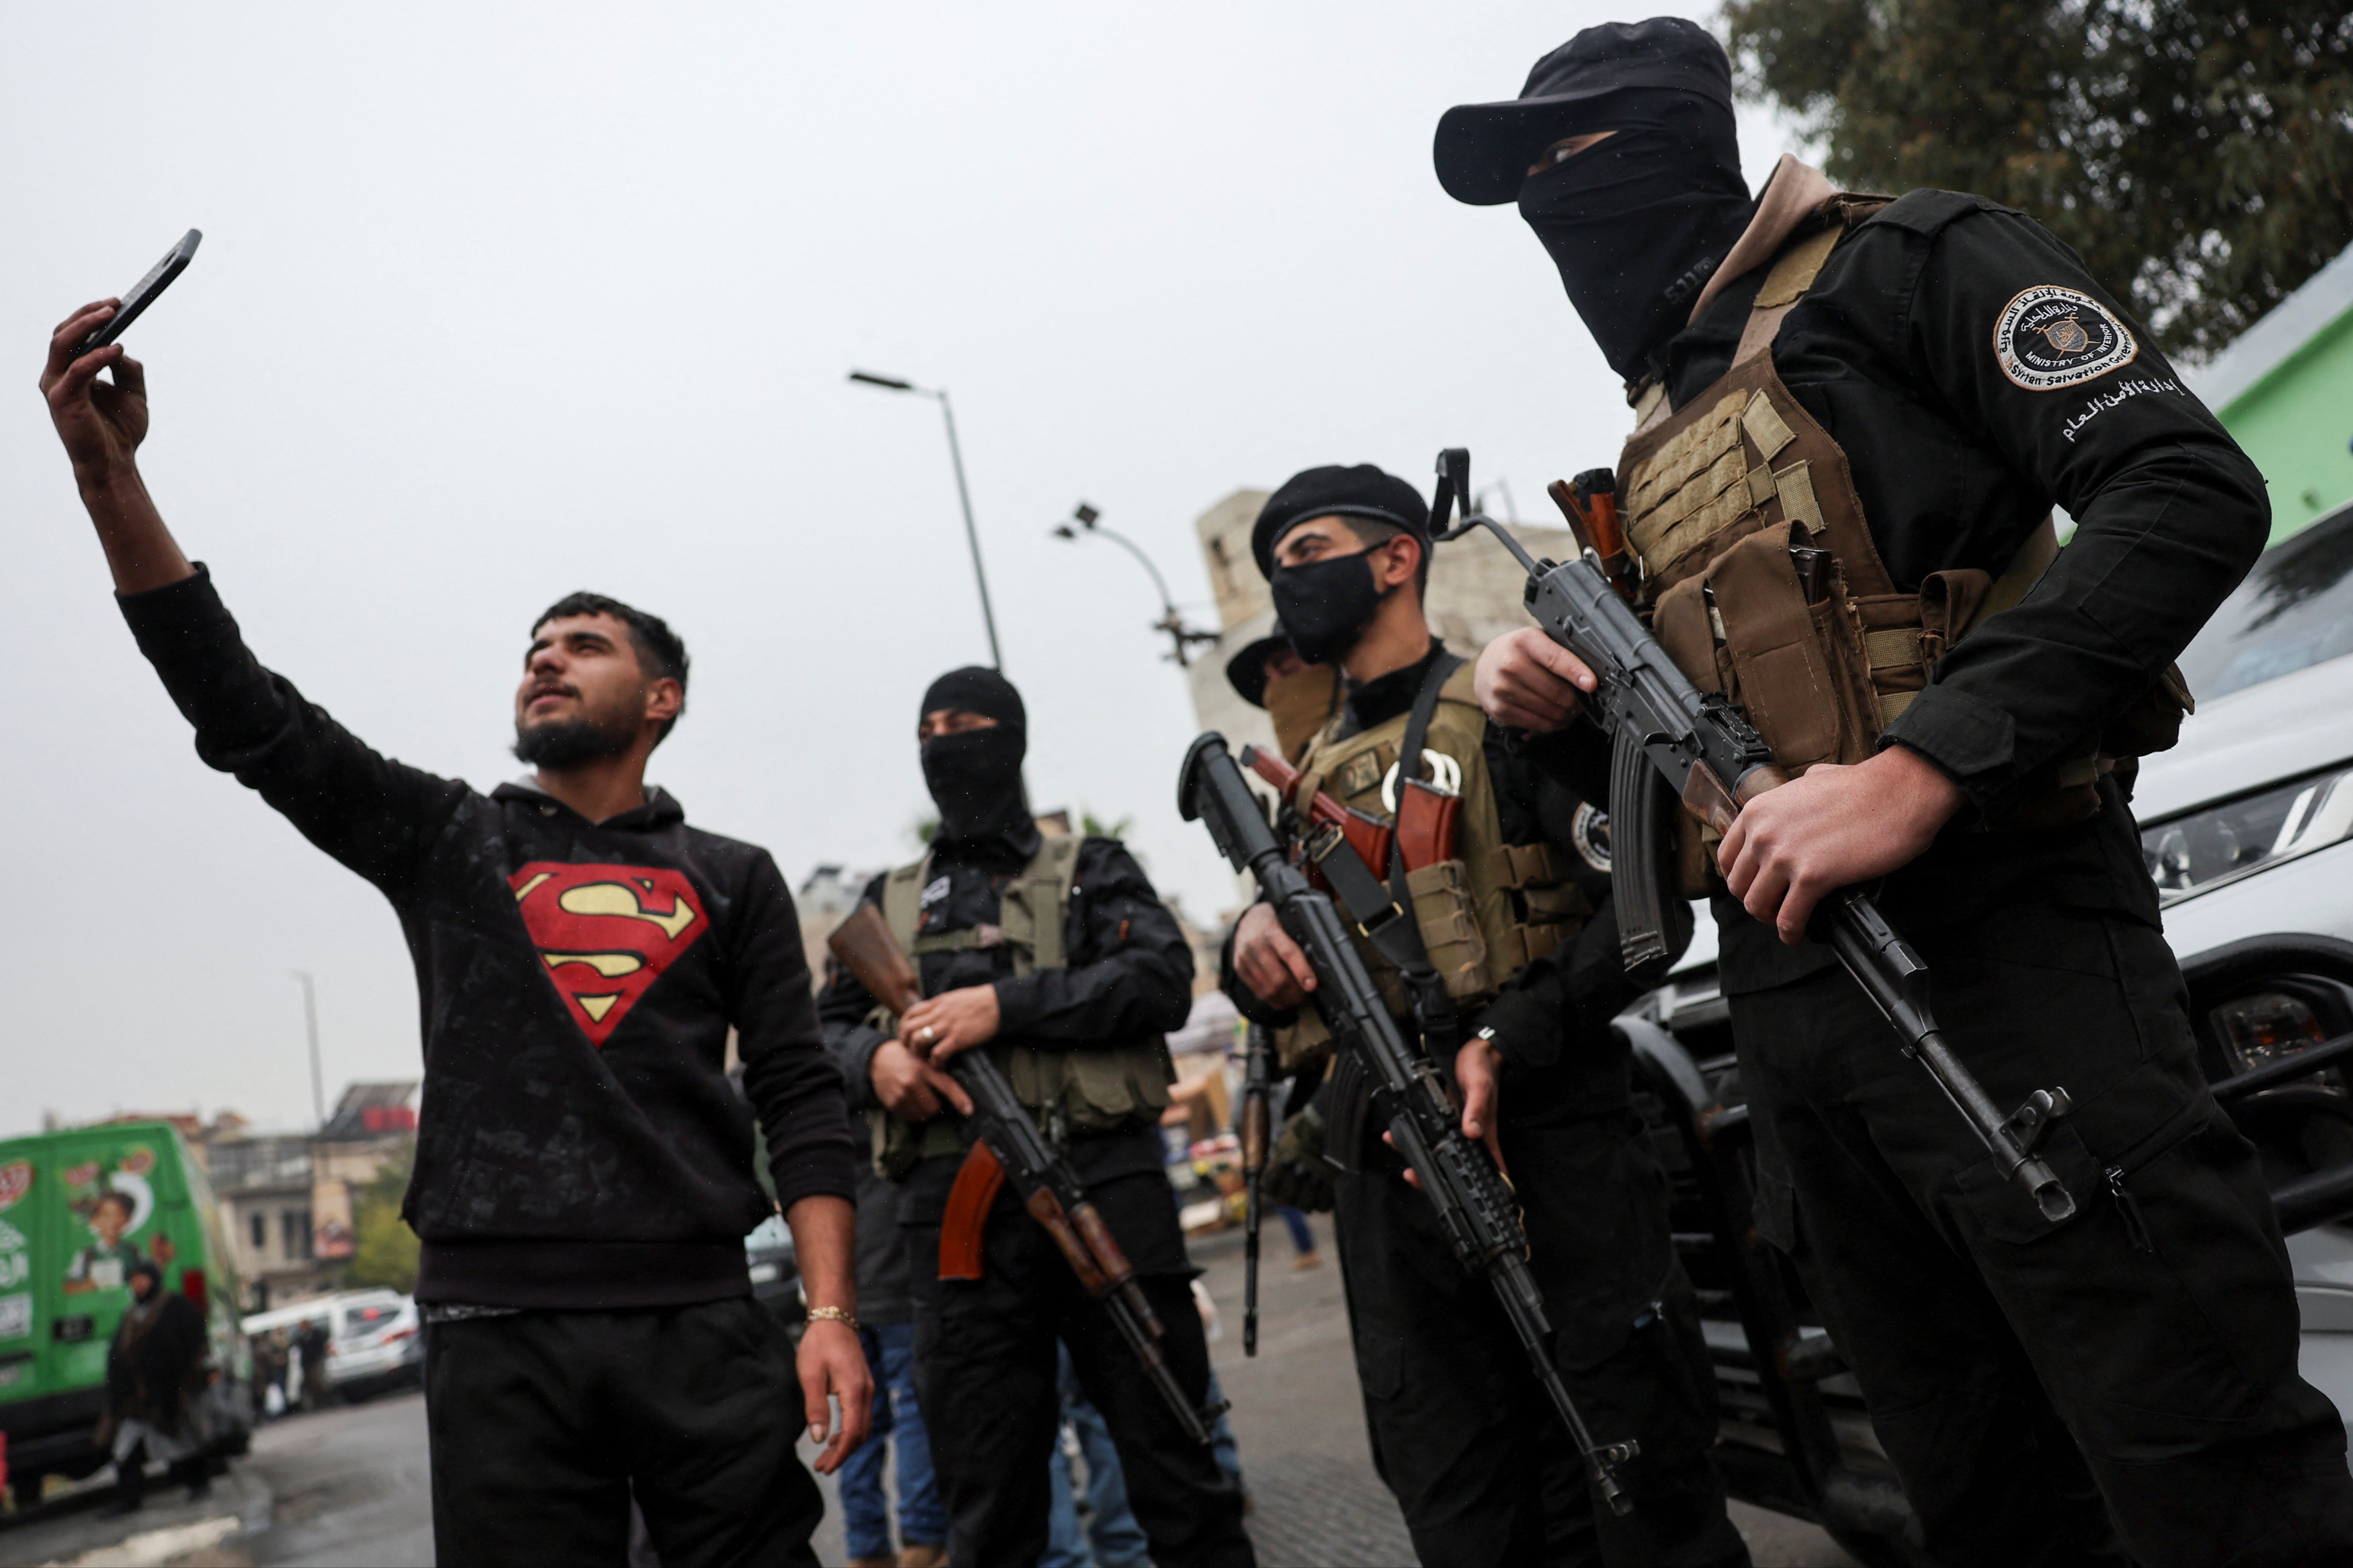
(569, 743)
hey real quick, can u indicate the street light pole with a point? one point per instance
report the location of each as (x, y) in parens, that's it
(310, 1022)
(963, 493)
(1086, 518)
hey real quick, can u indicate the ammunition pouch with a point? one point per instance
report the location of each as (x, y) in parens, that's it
(1764, 583)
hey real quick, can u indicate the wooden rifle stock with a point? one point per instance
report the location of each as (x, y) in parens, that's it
(1590, 505)
(1368, 839)
(866, 948)
(1428, 818)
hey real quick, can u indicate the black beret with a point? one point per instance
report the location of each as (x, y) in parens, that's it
(976, 688)
(1484, 150)
(1362, 490)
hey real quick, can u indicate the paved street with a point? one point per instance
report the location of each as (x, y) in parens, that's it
(351, 1486)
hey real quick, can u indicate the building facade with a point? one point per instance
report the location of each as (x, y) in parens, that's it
(2284, 390)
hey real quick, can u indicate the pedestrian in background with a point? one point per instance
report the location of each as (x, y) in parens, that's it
(887, 1332)
(154, 1372)
(311, 1351)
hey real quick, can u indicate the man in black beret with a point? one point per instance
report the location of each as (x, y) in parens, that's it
(1515, 916)
(1054, 954)
(1890, 395)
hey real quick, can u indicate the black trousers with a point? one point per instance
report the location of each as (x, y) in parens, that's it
(542, 1424)
(2144, 1352)
(1480, 1462)
(985, 1370)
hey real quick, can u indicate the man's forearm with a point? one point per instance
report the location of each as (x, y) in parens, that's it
(825, 1244)
(140, 549)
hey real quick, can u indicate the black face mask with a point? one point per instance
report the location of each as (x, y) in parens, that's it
(974, 777)
(1325, 605)
(1636, 222)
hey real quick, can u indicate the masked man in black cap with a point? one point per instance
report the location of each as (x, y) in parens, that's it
(1515, 919)
(1853, 416)
(1056, 956)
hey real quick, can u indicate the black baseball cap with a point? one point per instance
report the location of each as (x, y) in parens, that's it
(1246, 672)
(1360, 490)
(1484, 150)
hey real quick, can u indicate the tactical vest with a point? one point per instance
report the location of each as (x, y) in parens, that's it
(1485, 915)
(1091, 1090)
(1718, 494)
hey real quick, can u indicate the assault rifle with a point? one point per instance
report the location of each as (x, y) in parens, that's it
(1010, 1145)
(1258, 1127)
(1474, 1207)
(1714, 759)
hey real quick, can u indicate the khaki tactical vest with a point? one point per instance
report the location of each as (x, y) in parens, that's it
(1091, 1089)
(1485, 915)
(1718, 494)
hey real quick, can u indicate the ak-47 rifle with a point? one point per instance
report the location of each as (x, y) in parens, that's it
(1474, 1207)
(1716, 762)
(1010, 1145)
(1257, 1128)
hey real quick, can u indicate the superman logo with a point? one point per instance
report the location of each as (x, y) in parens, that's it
(605, 934)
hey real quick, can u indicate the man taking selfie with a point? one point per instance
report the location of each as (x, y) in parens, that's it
(583, 1174)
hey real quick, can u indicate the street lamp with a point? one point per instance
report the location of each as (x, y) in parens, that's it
(310, 1022)
(956, 456)
(1084, 521)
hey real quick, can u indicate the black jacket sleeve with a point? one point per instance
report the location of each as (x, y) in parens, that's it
(1131, 970)
(789, 1074)
(2169, 514)
(844, 1006)
(377, 816)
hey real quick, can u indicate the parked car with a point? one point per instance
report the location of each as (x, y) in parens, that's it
(775, 1272)
(2247, 828)
(77, 1211)
(375, 1340)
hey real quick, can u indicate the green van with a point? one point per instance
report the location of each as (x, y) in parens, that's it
(77, 1211)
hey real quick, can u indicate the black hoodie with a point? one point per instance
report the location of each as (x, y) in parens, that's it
(579, 1144)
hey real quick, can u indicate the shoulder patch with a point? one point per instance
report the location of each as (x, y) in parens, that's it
(1361, 772)
(938, 887)
(2049, 337)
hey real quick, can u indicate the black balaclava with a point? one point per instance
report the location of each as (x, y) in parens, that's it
(975, 777)
(1636, 222)
(1325, 604)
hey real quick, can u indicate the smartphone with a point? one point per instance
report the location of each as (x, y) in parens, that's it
(142, 293)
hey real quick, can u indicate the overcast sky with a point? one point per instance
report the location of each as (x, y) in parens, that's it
(495, 302)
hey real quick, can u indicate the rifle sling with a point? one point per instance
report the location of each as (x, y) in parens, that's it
(1385, 914)
(1432, 1007)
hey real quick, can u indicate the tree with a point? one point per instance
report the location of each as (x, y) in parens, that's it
(383, 1249)
(2197, 153)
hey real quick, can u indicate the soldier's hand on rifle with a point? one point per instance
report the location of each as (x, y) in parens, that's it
(1832, 828)
(910, 1087)
(1269, 961)
(1528, 682)
(1479, 1074)
(939, 1027)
